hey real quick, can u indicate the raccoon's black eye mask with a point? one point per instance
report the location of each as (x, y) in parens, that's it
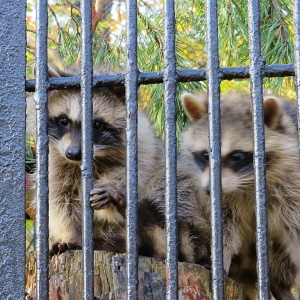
(58, 126)
(201, 158)
(238, 160)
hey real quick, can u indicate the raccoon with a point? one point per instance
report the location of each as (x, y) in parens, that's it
(283, 185)
(193, 219)
(109, 161)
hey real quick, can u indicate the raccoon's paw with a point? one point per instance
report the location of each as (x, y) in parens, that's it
(58, 248)
(102, 196)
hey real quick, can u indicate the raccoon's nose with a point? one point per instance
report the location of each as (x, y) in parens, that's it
(73, 153)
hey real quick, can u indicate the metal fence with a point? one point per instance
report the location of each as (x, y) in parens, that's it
(12, 142)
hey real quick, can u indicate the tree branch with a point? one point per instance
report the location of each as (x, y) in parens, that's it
(281, 27)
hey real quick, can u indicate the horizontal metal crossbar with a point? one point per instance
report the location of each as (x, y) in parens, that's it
(157, 77)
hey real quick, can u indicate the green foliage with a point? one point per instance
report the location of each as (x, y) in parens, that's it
(30, 160)
(110, 42)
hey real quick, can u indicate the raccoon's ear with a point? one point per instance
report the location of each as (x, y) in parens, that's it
(273, 110)
(57, 67)
(52, 71)
(119, 91)
(194, 106)
(60, 71)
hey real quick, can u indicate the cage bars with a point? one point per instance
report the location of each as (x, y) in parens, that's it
(170, 85)
(133, 78)
(87, 150)
(131, 82)
(256, 78)
(42, 190)
(214, 113)
(297, 58)
(12, 149)
(157, 77)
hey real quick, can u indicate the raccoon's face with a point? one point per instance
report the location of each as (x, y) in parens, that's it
(236, 139)
(237, 169)
(64, 125)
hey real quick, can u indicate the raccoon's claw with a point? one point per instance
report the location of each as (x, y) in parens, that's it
(102, 196)
(58, 248)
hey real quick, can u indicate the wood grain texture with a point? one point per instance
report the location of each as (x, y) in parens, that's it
(110, 278)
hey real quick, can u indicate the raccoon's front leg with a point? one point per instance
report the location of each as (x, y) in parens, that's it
(64, 225)
(102, 196)
(58, 248)
(231, 238)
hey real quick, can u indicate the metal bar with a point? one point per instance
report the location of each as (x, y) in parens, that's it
(215, 147)
(157, 77)
(42, 190)
(131, 81)
(256, 77)
(297, 59)
(87, 149)
(170, 85)
(12, 149)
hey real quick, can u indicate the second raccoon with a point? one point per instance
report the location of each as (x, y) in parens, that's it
(282, 184)
(193, 195)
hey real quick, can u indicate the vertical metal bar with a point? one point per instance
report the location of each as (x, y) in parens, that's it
(12, 149)
(42, 190)
(170, 85)
(297, 58)
(131, 80)
(215, 147)
(87, 149)
(297, 71)
(256, 77)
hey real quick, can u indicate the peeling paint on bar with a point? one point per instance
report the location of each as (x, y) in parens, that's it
(42, 151)
(256, 77)
(12, 149)
(87, 150)
(213, 82)
(131, 80)
(170, 85)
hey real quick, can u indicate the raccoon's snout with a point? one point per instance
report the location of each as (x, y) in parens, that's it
(73, 153)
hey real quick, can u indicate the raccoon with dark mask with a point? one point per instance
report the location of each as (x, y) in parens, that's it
(193, 195)
(282, 185)
(109, 160)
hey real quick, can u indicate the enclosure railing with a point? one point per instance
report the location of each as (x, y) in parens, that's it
(12, 141)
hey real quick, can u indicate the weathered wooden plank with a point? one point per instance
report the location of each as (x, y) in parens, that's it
(110, 278)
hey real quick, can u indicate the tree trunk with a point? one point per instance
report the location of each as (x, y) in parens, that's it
(110, 278)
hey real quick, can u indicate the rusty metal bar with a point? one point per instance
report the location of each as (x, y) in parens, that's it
(12, 149)
(87, 149)
(42, 151)
(170, 85)
(256, 77)
(131, 80)
(213, 82)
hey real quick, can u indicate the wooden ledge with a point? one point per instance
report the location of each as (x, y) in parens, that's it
(110, 278)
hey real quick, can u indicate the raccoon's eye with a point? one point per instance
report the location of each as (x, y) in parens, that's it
(205, 155)
(98, 124)
(238, 156)
(240, 161)
(201, 158)
(63, 121)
